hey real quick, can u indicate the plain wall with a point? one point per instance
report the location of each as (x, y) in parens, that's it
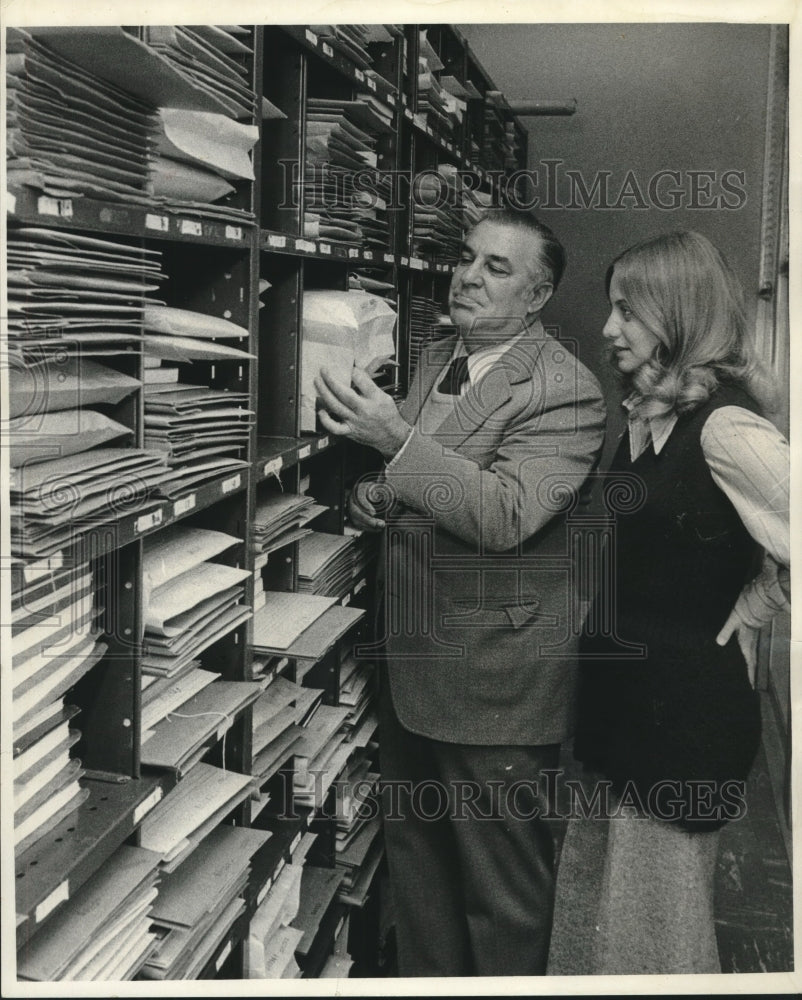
(681, 97)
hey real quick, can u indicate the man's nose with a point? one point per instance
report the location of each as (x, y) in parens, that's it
(472, 275)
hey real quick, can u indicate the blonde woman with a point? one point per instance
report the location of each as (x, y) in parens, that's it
(668, 713)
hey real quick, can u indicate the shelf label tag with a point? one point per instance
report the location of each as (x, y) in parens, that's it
(361, 76)
(323, 443)
(272, 467)
(59, 895)
(305, 452)
(11, 202)
(368, 255)
(353, 252)
(231, 484)
(233, 232)
(305, 245)
(362, 583)
(311, 36)
(183, 505)
(276, 241)
(405, 261)
(328, 50)
(371, 83)
(147, 804)
(158, 222)
(346, 600)
(325, 248)
(55, 206)
(389, 258)
(191, 227)
(223, 955)
(391, 99)
(416, 263)
(147, 521)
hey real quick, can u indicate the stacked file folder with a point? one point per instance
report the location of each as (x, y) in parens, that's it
(71, 133)
(104, 930)
(320, 755)
(80, 289)
(436, 225)
(188, 813)
(278, 718)
(181, 738)
(301, 626)
(54, 642)
(199, 902)
(499, 145)
(281, 519)
(341, 141)
(191, 601)
(271, 944)
(326, 564)
(55, 503)
(317, 917)
(357, 688)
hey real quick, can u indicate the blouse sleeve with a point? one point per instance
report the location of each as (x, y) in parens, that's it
(750, 462)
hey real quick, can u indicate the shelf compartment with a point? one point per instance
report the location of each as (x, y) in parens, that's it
(51, 871)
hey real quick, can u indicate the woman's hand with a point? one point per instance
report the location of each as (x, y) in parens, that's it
(747, 640)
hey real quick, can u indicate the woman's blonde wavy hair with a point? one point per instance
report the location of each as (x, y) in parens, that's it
(682, 289)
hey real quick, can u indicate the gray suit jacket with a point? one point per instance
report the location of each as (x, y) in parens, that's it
(480, 630)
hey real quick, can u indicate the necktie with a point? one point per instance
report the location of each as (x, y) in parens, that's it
(455, 377)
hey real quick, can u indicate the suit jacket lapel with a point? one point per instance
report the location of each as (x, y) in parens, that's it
(476, 407)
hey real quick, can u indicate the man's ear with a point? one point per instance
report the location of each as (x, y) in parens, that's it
(540, 296)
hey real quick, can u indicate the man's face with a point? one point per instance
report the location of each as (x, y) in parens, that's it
(495, 284)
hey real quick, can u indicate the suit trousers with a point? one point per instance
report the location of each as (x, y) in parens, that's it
(470, 854)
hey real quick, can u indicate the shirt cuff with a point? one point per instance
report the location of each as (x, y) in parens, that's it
(764, 597)
(389, 466)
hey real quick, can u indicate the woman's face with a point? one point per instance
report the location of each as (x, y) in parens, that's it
(631, 343)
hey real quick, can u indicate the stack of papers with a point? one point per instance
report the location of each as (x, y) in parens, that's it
(301, 626)
(341, 144)
(206, 55)
(357, 690)
(350, 39)
(199, 902)
(190, 603)
(437, 231)
(270, 948)
(318, 893)
(104, 931)
(198, 153)
(320, 755)
(69, 287)
(499, 146)
(333, 565)
(326, 564)
(162, 695)
(69, 132)
(358, 862)
(183, 736)
(53, 503)
(184, 335)
(185, 817)
(54, 642)
(281, 519)
(278, 717)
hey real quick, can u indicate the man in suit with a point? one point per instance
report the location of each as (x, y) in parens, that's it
(501, 425)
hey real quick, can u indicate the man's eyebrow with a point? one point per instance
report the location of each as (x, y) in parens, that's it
(495, 257)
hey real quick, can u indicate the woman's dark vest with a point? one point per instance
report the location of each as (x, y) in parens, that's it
(661, 705)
